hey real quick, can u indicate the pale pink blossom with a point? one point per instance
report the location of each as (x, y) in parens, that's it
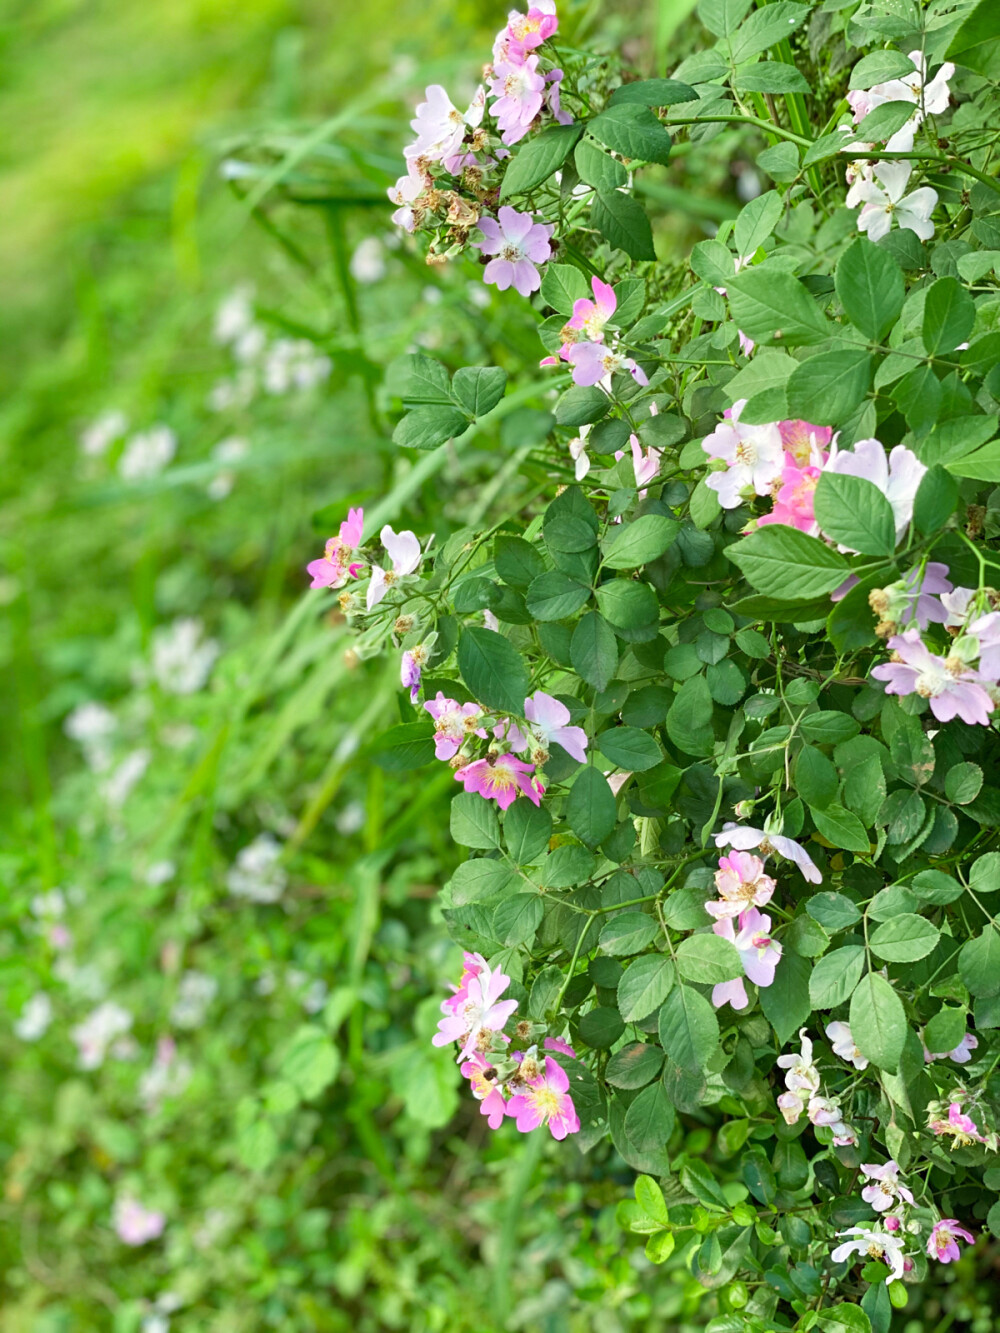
(957, 1126)
(942, 1244)
(410, 670)
(578, 452)
(928, 99)
(792, 1107)
(884, 198)
(744, 838)
(546, 1101)
(519, 92)
(486, 1090)
(754, 457)
(525, 32)
(481, 1011)
(886, 1188)
(759, 955)
(557, 1044)
(897, 475)
(553, 97)
(500, 778)
(914, 597)
(961, 1054)
(335, 566)
(953, 691)
(871, 1244)
(549, 722)
(802, 1076)
(589, 317)
(441, 128)
(473, 965)
(518, 244)
(842, 1041)
(455, 724)
(404, 194)
(136, 1224)
(986, 631)
(403, 550)
(645, 464)
(741, 883)
(593, 362)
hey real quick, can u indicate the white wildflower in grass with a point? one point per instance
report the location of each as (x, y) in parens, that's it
(294, 363)
(95, 1035)
(234, 316)
(351, 819)
(98, 437)
(195, 993)
(146, 455)
(117, 787)
(257, 874)
(182, 657)
(368, 261)
(92, 726)
(34, 1019)
(160, 872)
(237, 391)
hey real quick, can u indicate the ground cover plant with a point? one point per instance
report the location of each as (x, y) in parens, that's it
(573, 912)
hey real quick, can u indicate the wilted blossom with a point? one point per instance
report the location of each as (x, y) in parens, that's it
(404, 194)
(759, 955)
(928, 99)
(96, 1033)
(147, 454)
(826, 1111)
(182, 659)
(98, 437)
(887, 1187)
(961, 1055)
(942, 1243)
(195, 993)
(593, 362)
(335, 566)
(744, 839)
(548, 719)
(517, 245)
(842, 1041)
(403, 549)
(871, 1244)
(754, 457)
(500, 778)
(884, 198)
(486, 1090)
(257, 873)
(801, 1080)
(952, 689)
(455, 724)
(545, 1101)
(34, 1019)
(741, 883)
(411, 668)
(897, 475)
(475, 1009)
(135, 1223)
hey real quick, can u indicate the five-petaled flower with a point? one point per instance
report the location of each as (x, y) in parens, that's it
(883, 197)
(518, 244)
(886, 1187)
(546, 1100)
(951, 688)
(335, 566)
(742, 883)
(474, 1010)
(942, 1243)
(403, 550)
(500, 778)
(759, 955)
(873, 1244)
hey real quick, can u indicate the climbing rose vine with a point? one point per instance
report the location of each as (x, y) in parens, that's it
(720, 703)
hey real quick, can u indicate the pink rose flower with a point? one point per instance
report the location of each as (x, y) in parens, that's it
(548, 719)
(546, 1101)
(500, 778)
(942, 1244)
(589, 317)
(455, 723)
(335, 566)
(759, 955)
(518, 244)
(793, 506)
(741, 883)
(754, 457)
(404, 552)
(952, 689)
(593, 362)
(136, 1224)
(887, 1187)
(481, 1011)
(744, 839)
(485, 1090)
(519, 91)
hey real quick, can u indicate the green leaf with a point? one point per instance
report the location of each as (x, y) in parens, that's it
(689, 721)
(771, 76)
(516, 919)
(904, 938)
(844, 1319)
(580, 405)
(644, 986)
(765, 28)
(880, 67)
(538, 158)
(633, 544)
(962, 784)
(699, 1180)
(407, 746)
(708, 959)
(480, 879)
(842, 829)
(723, 17)
(311, 1061)
(516, 561)
(854, 512)
(479, 388)
(598, 168)
(689, 1029)
(593, 651)
(984, 876)
(784, 563)
(835, 976)
(649, 1197)
(936, 500)
(649, 1122)
(427, 427)
(780, 162)
(714, 263)
(815, 777)
(884, 121)
(870, 287)
(757, 220)
(983, 465)
(878, 1021)
(654, 92)
(622, 221)
(864, 789)
(555, 596)
(944, 1031)
(771, 306)
(627, 604)
(633, 131)
(474, 821)
(949, 314)
(418, 378)
(979, 962)
(629, 748)
(570, 523)
(634, 1066)
(977, 42)
(562, 285)
(590, 807)
(600, 1028)
(628, 934)
(527, 829)
(493, 670)
(545, 990)
(785, 1003)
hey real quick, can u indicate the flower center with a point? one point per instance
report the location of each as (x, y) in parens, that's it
(746, 453)
(511, 252)
(931, 682)
(545, 1101)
